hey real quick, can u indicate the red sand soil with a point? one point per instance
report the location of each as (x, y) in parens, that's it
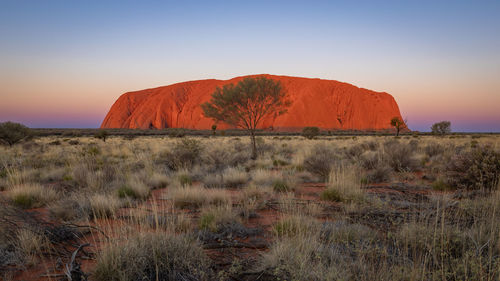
(265, 219)
(327, 104)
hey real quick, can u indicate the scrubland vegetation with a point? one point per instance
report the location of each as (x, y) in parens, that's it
(199, 208)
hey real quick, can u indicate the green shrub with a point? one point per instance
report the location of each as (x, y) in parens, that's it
(441, 128)
(29, 196)
(25, 201)
(102, 135)
(281, 186)
(279, 163)
(185, 179)
(134, 189)
(310, 132)
(380, 174)
(331, 195)
(177, 133)
(92, 150)
(56, 142)
(207, 221)
(441, 185)
(478, 169)
(12, 133)
(126, 191)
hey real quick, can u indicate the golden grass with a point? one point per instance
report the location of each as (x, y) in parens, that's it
(31, 195)
(354, 239)
(197, 196)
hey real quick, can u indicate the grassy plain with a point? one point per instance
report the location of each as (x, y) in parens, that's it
(198, 208)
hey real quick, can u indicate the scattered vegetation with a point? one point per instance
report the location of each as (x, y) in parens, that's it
(441, 128)
(12, 133)
(152, 256)
(29, 196)
(477, 169)
(102, 135)
(310, 132)
(199, 208)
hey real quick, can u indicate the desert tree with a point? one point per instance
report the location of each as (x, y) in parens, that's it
(398, 124)
(441, 128)
(214, 129)
(102, 135)
(12, 133)
(310, 132)
(247, 103)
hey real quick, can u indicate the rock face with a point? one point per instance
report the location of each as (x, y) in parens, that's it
(326, 104)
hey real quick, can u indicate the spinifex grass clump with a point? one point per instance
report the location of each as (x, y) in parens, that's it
(196, 196)
(133, 189)
(152, 256)
(320, 160)
(344, 185)
(281, 186)
(29, 196)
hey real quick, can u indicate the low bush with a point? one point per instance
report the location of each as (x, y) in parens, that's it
(310, 132)
(69, 209)
(400, 157)
(321, 160)
(152, 256)
(183, 155)
(434, 149)
(331, 195)
(441, 185)
(379, 174)
(477, 169)
(12, 133)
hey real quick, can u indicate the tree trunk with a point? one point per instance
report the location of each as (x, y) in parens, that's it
(254, 146)
(397, 131)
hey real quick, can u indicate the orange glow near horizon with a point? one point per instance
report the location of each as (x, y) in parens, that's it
(63, 61)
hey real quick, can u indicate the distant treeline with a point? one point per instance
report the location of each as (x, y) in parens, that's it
(177, 132)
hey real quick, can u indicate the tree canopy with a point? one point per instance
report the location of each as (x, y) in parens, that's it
(441, 128)
(398, 124)
(247, 103)
(12, 133)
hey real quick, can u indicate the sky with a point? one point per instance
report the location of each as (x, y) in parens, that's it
(63, 63)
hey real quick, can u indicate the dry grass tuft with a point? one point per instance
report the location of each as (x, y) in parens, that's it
(29, 196)
(152, 256)
(196, 196)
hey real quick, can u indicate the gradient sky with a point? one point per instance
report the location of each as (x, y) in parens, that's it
(64, 63)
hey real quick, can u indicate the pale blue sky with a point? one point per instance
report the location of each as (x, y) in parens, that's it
(63, 63)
